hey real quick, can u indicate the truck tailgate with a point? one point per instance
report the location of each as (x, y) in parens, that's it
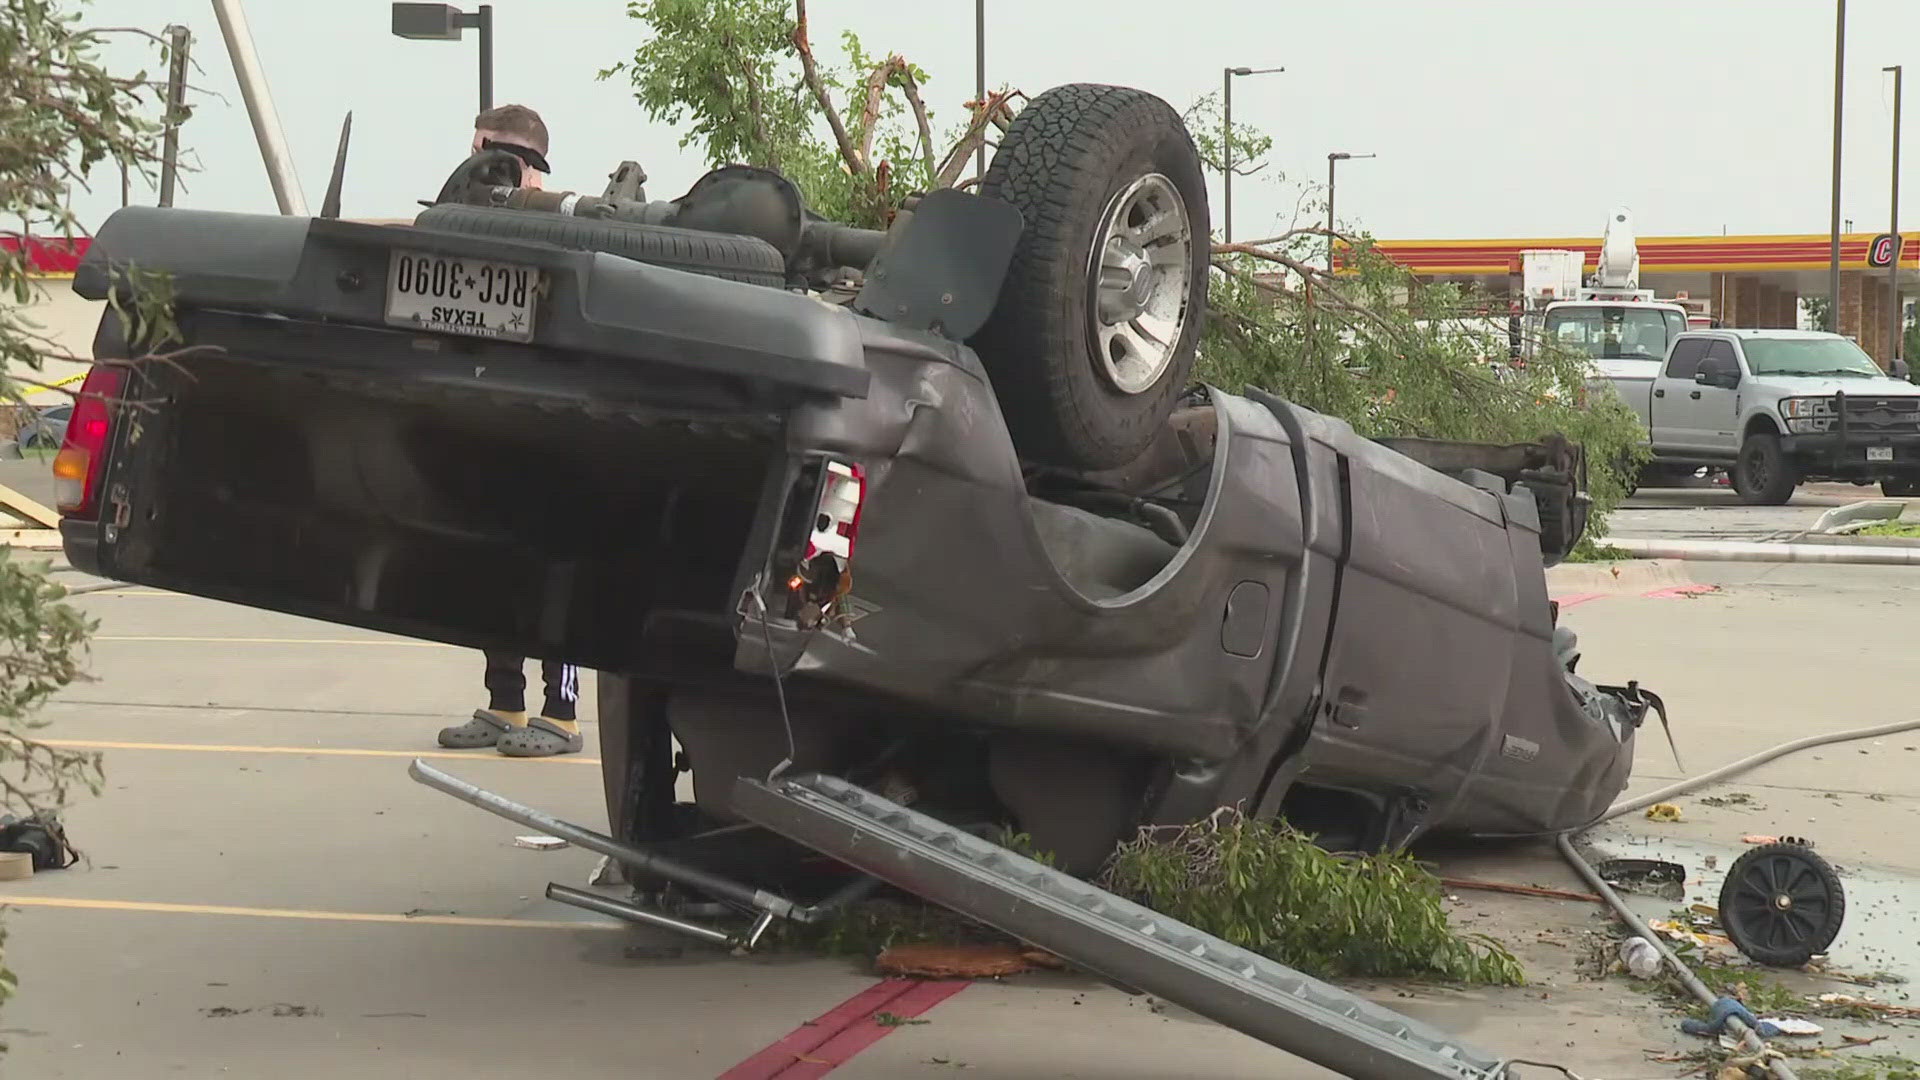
(599, 493)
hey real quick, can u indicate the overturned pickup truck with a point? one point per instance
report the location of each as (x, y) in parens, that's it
(934, 509)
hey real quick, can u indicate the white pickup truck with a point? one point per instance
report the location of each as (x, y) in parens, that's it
(1775, 408)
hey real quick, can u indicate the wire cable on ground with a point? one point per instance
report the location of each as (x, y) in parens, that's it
(1747, 764)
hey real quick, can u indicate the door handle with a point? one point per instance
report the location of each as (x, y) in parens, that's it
(1659, 393)
(1695, 395)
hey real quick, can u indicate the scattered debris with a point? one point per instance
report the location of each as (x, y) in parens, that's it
(539, 843)
(1677, 932)
(1793, 1025)
(1640, 957)
(1731, 798)
(1268, 885)
(279, 1008)
(41, 836)
(606, 872)
(1723, 1010)
(15, 865)
(1519, 890)
(1648, 877)
(954, 961)
(1899, 1012)
(1044, 959)
(894, 1020)
(1664, 811)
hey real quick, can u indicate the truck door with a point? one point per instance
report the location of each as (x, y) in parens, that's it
(1668, 414)
(1712, 412)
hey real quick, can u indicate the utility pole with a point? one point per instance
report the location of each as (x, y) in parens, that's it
(1839, 84)
(1894, 312)
(1333, 159)
(1226, 143)
(179, 38)
(259, 102)
(980, 78)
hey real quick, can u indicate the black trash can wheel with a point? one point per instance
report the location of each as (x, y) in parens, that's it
(1782, 905)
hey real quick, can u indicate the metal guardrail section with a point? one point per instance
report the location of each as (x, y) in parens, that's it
(1108, 935)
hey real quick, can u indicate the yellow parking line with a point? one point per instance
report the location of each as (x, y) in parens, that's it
(273, 640)
(324, 751)
(297, 913)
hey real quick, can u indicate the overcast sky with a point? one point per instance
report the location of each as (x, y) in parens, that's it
(1491, 118)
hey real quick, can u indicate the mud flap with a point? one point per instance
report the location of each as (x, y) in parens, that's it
(1102, 933)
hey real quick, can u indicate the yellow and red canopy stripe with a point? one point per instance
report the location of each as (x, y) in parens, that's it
(51, 256)
(1658, 254)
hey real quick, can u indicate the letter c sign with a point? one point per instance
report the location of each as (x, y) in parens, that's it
(1884, 250)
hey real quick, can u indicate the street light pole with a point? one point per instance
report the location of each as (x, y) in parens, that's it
(444, 22)
(1893, 226)
(484, 20)
(1332, 159)
(1226, 143)
(980, 78)
(1839, 82)
(1226, 154)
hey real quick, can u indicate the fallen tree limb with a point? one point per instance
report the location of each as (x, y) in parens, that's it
(810, 71)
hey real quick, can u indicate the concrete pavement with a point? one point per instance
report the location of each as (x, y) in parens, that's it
(1701, 511)
(268, 895)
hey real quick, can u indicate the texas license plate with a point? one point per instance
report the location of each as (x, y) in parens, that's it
(461, 296)
(1879, 453)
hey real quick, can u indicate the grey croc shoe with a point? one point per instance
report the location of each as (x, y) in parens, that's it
(484, 729)
(540, 737)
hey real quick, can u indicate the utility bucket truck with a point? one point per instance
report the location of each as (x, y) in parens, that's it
(1623, 329)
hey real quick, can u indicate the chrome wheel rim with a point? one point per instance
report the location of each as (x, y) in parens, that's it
(1141, 271)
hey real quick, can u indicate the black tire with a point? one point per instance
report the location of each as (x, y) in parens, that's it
(636, 758)
(1074, 155)
(723, 255)
(1900, 489)
(1782, 905)
(1762, 475)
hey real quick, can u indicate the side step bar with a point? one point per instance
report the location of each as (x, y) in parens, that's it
(1106, 934)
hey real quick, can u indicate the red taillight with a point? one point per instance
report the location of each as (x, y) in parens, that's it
(836, 514)
(83, 453)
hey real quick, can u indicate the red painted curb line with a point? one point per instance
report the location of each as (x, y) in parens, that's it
(823, 1044)
(1576, 599)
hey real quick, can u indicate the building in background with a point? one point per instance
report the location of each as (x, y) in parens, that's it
(1745, 281)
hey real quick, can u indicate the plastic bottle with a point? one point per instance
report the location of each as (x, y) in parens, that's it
(1641, 958)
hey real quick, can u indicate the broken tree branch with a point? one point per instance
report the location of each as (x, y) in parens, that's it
(756, 107)
(870, 99)
(811, 72)
(974, 137)
(912, 90)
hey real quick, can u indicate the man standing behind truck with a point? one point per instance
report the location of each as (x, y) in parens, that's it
(504, 724)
